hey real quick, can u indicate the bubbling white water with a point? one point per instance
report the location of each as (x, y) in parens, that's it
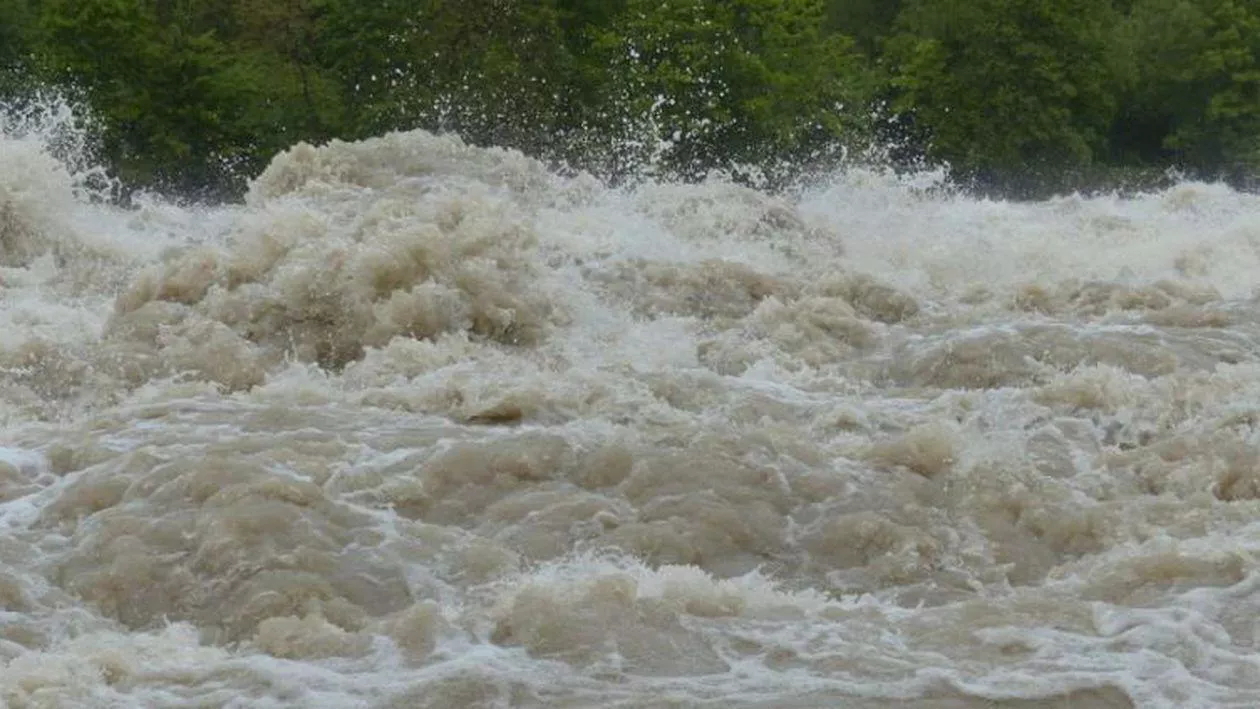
(424, 425)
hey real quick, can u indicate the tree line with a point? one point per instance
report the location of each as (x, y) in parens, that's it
(194, 96)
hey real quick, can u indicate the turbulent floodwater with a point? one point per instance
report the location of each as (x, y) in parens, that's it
(424, 425)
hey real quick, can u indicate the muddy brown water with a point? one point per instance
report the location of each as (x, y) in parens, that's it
(425, 425)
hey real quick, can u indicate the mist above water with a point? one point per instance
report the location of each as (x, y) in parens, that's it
(421, 424)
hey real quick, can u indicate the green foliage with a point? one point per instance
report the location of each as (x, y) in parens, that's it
(497, 72)
(668, 64)
(801, 87)
(582, 81)
(183, 107)
(152, 83)
(14, 42)
(1196, 86)
(866, 21)
(1006, 84)
(743, 81)
(196, 95)
(16, 45)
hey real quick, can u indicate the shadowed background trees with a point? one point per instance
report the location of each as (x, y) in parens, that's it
(195, 96)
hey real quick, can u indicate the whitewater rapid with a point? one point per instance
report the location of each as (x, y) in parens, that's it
(420, 424)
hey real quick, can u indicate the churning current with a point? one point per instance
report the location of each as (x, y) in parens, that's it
(425, 425)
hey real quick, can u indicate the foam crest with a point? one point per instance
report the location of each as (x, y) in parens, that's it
(1197, 236)
(345, 248)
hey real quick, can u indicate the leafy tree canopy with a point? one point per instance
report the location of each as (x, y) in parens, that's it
(196, 95)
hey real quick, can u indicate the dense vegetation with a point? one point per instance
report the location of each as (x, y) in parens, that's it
(194, 95)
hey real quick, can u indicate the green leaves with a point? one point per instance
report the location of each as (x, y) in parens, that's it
(497, 72)
(733, 83)
(16, 45)
(1198, 80)
(196, 95)
(1005, 84)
